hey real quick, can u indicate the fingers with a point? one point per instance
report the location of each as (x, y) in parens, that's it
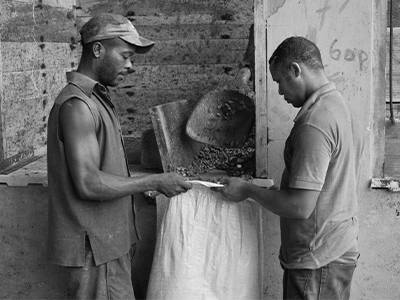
(217, 189)
(186, 185)
(173, 185)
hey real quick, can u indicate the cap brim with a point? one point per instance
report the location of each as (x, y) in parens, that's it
(142, 46)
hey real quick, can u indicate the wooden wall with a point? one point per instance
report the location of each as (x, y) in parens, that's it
(37, 48)
(199, 45)
(392, 131)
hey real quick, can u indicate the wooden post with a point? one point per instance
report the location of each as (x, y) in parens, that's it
(261, 89)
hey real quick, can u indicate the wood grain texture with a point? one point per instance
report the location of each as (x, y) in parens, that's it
(261, 89)
(198, 46)
(38, 46)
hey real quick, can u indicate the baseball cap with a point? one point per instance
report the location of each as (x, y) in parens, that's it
(107, 26)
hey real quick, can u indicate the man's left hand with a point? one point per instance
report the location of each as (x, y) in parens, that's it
(235, 190)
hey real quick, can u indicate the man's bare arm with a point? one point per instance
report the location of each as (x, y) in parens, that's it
(83, 158)
(290, 203)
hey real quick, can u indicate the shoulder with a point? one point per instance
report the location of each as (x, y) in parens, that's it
(74, 108)
(74, 102)
(330, 109)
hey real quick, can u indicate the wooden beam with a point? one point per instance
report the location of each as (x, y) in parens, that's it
(260, 45)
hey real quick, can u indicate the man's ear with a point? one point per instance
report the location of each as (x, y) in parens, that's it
(296, 69)
(97, 49)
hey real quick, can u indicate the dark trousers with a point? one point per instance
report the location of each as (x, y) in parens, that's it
(111, 280)
(331, 282)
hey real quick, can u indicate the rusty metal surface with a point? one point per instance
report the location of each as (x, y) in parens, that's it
(222, 118)
(169, 122)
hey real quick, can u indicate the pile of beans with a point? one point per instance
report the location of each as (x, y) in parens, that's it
(238, 162)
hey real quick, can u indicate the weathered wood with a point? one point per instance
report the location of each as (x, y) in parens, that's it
(261, 89)
(392, 131)
(183, 77)
(27, 22)
(198, 46)
(392, 149)
(218, 9)
(395, 65)
(28, 56)
(200, 31)
(391, 184)
(182, 52)
(38, 45)
(395, 12)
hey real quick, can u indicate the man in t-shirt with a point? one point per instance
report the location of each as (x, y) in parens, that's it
(317, 201)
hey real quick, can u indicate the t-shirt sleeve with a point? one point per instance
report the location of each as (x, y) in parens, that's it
(312, 151)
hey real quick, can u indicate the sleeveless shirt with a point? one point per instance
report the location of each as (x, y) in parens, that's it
(109, 225)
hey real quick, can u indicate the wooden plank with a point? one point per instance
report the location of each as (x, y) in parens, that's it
(188, 51)
(31, 85)
(1, 97)
(27, 56)
(396, 110)
(186, 78)
(261, 90)
(157, 19)
(169, 32)
(37, 48)
(395, 65)
(391, 184)
(59, 3)
(24, 22)
(392, 150)
(395, 12)
(193, 11)
(378, 90)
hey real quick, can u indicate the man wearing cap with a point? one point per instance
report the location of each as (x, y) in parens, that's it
(91, 213)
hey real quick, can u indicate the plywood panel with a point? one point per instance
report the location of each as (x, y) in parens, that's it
(25, 22)
(38, 45)
(194, 51)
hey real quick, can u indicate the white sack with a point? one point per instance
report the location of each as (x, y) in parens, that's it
(207, 248)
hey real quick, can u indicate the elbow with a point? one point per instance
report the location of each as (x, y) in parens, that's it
(84, 193)
(301, 214)
(86, 189)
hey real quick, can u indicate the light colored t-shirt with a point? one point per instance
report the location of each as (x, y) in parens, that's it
(322, 153)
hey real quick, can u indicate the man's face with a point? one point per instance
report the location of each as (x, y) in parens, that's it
(116, 63)
(290, 85)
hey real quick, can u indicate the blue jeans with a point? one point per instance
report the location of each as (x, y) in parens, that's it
(330, 282)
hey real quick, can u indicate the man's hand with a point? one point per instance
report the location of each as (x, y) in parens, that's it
(171, 184)
(235, 190)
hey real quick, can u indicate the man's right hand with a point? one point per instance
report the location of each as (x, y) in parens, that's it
(172, 184)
